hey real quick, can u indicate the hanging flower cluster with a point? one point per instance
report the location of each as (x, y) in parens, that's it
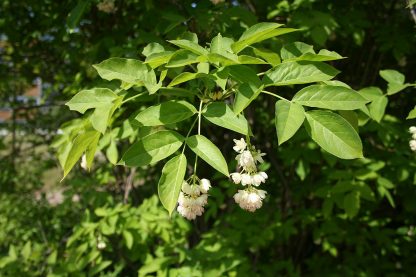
(193, 198)
(250, 198)
(412, 142)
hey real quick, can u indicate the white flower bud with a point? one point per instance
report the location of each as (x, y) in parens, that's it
(101, 245)
(204, 185)
(83, 163)
(412, 129)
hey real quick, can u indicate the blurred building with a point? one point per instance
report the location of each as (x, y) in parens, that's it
(31, 96)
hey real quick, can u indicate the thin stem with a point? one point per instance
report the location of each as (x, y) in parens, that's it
(189, 132)
(273, 94)
(131, 98)
(199, 117)
(199, 132)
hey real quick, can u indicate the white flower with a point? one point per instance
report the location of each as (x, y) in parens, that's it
(55, 198)
(190, 212)
(240, 145)
(101, 245)
(246, 160)
(246, 179)
(250, 200)
(259, 178)
(84, 162)
(257, 156)
(412, 129)
(190, 190)
(236, 177)
(264, 175)
(204, 185)
(75, 198)
(414, 136)
(412, 144)
(191, 202)
(202, 200)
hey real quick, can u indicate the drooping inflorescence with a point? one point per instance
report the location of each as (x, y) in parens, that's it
(248, 157)
(412, 142)
(192, 198)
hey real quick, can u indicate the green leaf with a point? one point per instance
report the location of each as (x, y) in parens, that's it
(128, 238)
(352, 203)
(289, 118)
(221, 114)
(395, 81)
(152, 148)
(392, 76)
(257, 33)
(244, 74)
(300, 72)
(76, 14)
(182, 58)
(327, 207)
(170, 182)
(245, 59)
(249, 88)
(378, 107)
(189, 45)
(187, 76)
(330, 97)
(153, 48)
(245, 94)
(334, 134)
(221, 50)
(112, 152)
(323, 55)
(295, 49)
(26, 250)
(269, 56)
(99, 118)
(130, 71)
(210, 153)
(79, 145)
(351, 117)
(92, 98)
(99, 267)
(172, 91)
(412, 114)
(91, 149)
(157, 59)
(166, 113)
(371, 93)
